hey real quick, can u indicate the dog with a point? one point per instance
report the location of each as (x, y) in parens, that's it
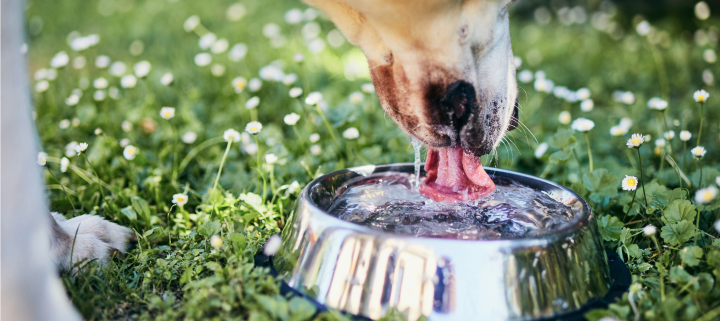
(443, 71)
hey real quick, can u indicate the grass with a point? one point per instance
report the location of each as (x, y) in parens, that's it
(174, 272)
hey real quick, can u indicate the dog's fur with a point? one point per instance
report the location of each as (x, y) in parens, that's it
(443, 69)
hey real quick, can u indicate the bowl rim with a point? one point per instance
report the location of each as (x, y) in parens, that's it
(570, 229)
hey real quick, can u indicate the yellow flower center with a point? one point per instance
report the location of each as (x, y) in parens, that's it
(253, 128)
(240, 85)
(636, 142)
(631, 182)
(707, 195)
(701, 98)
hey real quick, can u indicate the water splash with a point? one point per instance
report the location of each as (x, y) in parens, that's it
(386, 202)
(416, 146)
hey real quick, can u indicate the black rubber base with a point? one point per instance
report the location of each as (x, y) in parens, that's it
(619, 277)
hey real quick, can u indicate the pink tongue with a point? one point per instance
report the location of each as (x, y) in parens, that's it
(454, 176)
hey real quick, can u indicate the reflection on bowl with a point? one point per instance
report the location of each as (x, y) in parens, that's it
(370, 273)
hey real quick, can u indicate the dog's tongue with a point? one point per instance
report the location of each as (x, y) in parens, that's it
(454, 176)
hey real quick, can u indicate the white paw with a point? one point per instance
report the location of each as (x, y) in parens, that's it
(96, 239)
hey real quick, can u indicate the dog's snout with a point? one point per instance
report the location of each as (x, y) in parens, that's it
(459, 101)
(514, 119)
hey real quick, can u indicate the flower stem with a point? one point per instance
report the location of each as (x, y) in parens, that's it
(96, 177)
(175, 152)
(631, 203)
(222, 163)
(579, 165)
(642, 178)
(546, 171)
(63, 188)
(702, 107)
(700, 182)
(302, 143)
(327, 124)
(587, 142)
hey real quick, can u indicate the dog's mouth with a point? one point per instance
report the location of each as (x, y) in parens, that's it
(453, 175)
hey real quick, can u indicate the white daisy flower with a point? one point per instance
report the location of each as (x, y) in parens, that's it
(518, 62)
(126, 126)
(167, 112)
(717, 226)
(124, 142)
(220, 46)
(252, 102)
(291, 119)
(64, 164)
(618, 130)
(100, 83)
(698, 152)
(544, 85)
(628, 98)
(203, 59)
(560, 91)
(351, 133)
(669, 135)
(649, 230)
(238, 52)
(79, 148)
(239, 83)
(271, 72)
(79, 62)
(706, 195)
(315, 149)
(130, 152)
(582, 125)
(102, 61)
(207, 40)
(60, 60)
(249, 148)
(685, 135)
(629, 183)
(72, 100)
(180, 199)
(253, 127)
(216, 242)
(657, 103)
(314, 138)
(298, 57)
(217, 70)
(295, 92)
(583, 93)
(313, 98)
(128, 81)
(99, 95)
(660, 142)
(626, 122)
(701, 96)
(272, 245)
(167, 79)
(293, 187)
(635, 141)
(75, 122)
(368, 88)
(356, 97)
(270, 159)
(564, 117)
(42, 159)
(41, 74)
(98, 131)
(540, 74)
(643, 28)
(293, 16)
(65, 123)
(289, 79)
(118, 69)
(254, 85)
(540, 150)
(42, 86)
(587, 105)
(142, 69)
(189, 137)
(525, 76)
(231, 135)
(235, 12)
(191, 22)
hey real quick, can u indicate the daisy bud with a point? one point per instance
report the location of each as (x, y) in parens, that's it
(272, 245)
(216, 241)
(649, 230)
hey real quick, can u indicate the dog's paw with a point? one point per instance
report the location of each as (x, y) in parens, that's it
(97, 239)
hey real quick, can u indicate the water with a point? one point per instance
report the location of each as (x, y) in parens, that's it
(388, 202)
(416, 146)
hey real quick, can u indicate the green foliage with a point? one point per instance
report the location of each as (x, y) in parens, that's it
(174, 273)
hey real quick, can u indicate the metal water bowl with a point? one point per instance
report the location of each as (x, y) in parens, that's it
(370, 273)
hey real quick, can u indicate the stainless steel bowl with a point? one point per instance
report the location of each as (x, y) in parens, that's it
(370, 273)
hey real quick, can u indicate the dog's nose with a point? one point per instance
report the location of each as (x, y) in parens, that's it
(459, 100)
